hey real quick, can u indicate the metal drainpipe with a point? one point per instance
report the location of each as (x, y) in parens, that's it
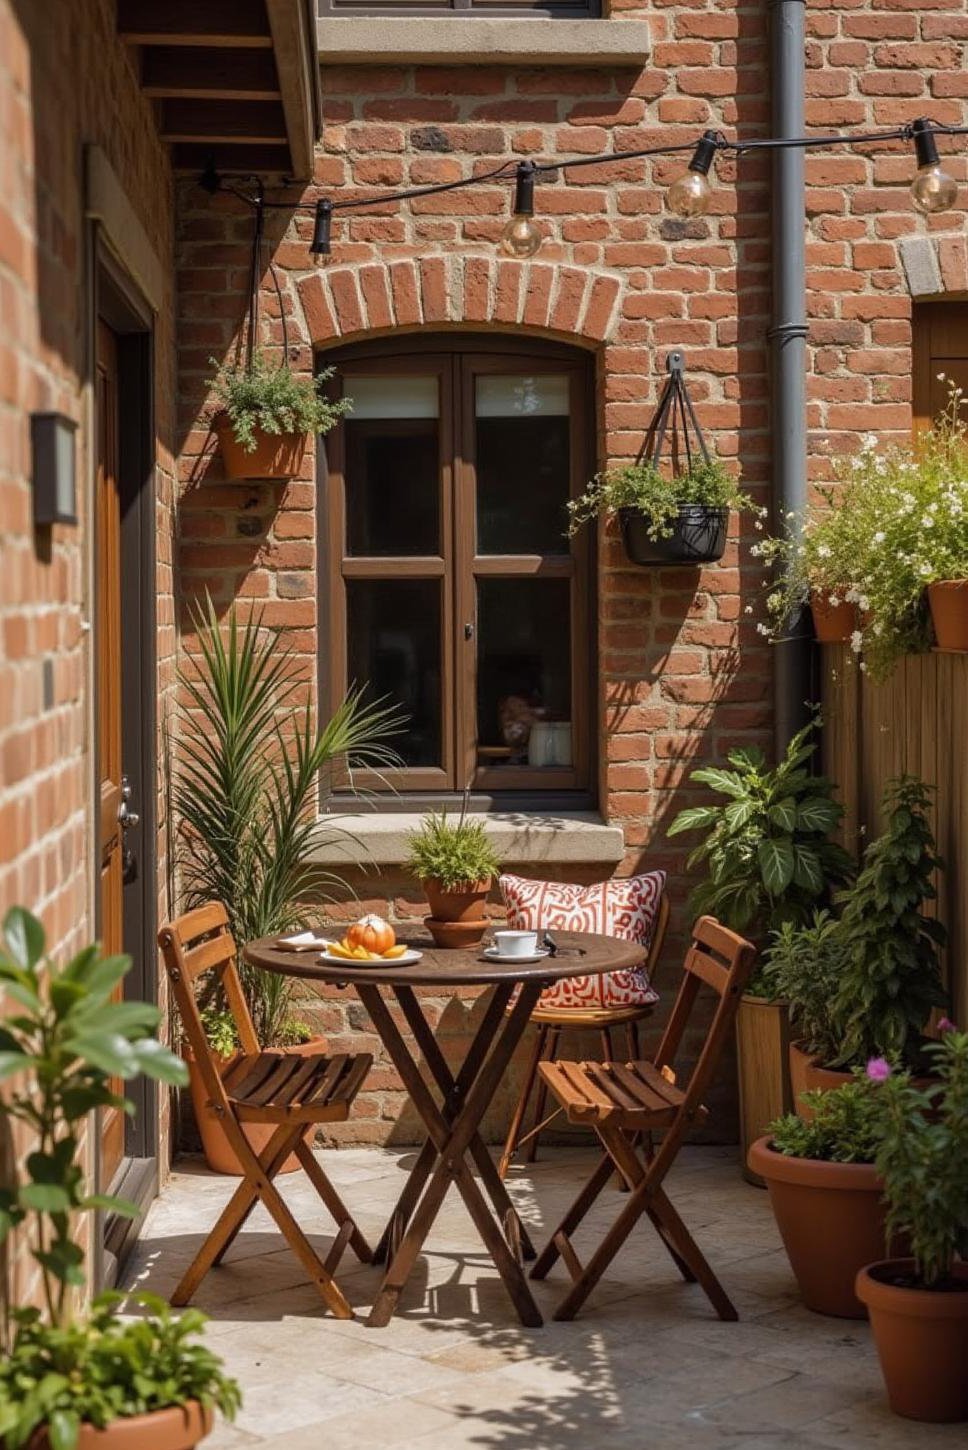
(792, 668)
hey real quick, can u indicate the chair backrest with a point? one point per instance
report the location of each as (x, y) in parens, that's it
(197, 942)
(720, 959)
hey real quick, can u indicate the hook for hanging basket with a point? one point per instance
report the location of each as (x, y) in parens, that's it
(675, 416)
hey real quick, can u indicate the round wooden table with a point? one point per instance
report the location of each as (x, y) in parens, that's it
(453, 1124)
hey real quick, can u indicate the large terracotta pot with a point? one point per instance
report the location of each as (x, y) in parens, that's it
(922, 1341)
(276, 455)
(762, 1048)
(831, 1220)
(948, 599)
(833, 623)
(219, 1153)
(465, 903)
(179, 1428)
(799, 1083)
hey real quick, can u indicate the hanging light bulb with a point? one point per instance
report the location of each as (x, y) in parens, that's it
(521, 237)
(689, 194)
(933, 189)
(319, 246)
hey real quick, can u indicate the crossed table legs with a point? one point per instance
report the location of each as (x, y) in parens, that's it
(453, 1138)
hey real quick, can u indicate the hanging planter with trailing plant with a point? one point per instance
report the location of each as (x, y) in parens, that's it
(677, 516)
(267, 413)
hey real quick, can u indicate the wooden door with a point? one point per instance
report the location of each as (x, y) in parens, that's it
(940, 343)
(108, 651)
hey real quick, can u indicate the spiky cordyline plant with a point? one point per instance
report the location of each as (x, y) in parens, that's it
(248, 763)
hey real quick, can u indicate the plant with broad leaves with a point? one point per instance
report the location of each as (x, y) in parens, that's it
(63, 1044)
(890, 974)
(767, 853)
(99, 1369)
(845, 1126)
(923, 1159)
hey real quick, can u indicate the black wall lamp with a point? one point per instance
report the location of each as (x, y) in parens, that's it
(54, 444)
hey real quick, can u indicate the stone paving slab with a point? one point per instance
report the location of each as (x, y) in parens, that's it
(647, 1366)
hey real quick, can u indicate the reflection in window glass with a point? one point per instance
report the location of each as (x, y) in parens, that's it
(393, 639)
(392, 466)
(523, 463)
(523, 672)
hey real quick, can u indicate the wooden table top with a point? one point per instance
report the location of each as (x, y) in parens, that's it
(581, 954)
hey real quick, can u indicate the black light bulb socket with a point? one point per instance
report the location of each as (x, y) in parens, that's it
(925, 146)
(319, 246)
(524, 189)
(210, 180)
(705, 152)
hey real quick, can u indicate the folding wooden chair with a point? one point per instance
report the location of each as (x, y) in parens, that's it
(285, 1089)
(551, 1022)
(623, 1101)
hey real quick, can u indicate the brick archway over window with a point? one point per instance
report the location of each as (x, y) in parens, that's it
(935, 265)
(581, 304)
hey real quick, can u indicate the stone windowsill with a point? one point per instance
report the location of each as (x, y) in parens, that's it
(374, 838)
(480, 40)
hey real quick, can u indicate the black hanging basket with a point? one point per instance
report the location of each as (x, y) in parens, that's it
(698, 532)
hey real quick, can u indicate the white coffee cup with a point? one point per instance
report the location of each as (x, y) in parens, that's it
(516, 943)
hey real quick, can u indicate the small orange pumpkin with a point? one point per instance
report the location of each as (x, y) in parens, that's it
(372, 933)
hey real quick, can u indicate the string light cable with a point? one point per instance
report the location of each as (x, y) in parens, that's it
(933, 189)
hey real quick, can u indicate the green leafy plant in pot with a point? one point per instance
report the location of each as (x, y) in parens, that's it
(71, 1377)
(267, 415)
(768, 859)
(249, 763)
(454, 864)
(825, 1192)
(918, 1305)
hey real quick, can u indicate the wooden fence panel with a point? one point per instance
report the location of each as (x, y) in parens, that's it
(917, 721)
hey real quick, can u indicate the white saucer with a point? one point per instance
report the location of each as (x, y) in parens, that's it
(493, 955)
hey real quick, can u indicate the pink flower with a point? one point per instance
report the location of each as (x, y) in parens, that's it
(878, 1069)
(946, 1025)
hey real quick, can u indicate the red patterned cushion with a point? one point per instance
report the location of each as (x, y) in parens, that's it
(626, 908)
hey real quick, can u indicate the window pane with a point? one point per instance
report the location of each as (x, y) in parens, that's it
(392, 466)
(524, 672)
(522, 464)
(393, 630)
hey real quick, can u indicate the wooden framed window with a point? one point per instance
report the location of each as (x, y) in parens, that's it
(575, 9)
(449, 582)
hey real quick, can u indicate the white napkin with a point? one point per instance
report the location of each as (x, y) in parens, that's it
(304, 941)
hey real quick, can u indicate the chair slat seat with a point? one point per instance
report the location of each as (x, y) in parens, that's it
(579, 1017)
(633, 1095)
(278, 1087)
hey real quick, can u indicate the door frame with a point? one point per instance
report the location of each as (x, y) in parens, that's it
(117, 301)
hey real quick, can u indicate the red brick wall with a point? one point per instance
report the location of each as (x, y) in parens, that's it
(64, 82)
(683, 676)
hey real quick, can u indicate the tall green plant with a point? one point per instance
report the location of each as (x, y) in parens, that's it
(249, 762)
(890, 978)
(62, 1042)
(766, 852)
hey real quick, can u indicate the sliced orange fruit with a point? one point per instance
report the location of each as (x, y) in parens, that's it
(398, 951)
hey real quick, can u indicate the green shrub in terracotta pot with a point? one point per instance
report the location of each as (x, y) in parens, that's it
(918, 1305)
(454, 863)
(267, 415)
(72, 1376)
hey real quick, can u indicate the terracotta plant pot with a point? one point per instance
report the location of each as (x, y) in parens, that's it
(276, 455)
(799, 1083)
(831, 1220)
(463, 903)
(456, 934)
(833, 623)
(179, 1428)
(219, 1153)
(762, 1046)
(922, 1341)
(948, 599)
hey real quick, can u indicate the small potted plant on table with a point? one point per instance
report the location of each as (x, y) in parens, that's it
(826, 1193)
(70, 1378)
(268, 415)
(769, 859)
(919, 1305)
(455, 865)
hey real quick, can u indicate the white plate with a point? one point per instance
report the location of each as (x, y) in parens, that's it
(407, 960)
(493, 955)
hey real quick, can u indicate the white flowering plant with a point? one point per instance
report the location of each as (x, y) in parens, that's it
(896, 521)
